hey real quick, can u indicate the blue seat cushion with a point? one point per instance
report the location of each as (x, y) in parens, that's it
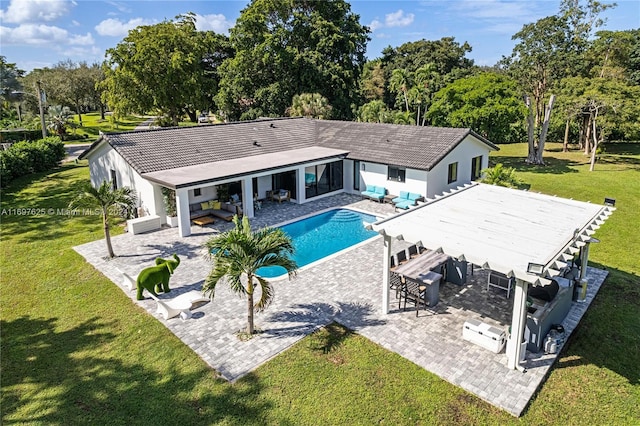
(381, 190)
(404, 204)
(412, 196)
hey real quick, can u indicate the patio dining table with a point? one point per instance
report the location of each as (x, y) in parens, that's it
(422, 269)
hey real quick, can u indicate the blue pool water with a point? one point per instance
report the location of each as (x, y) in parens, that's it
(322, 235)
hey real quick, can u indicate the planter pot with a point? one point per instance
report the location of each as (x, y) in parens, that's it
(172, 221)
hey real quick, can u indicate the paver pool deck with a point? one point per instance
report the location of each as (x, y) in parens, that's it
(346, 288)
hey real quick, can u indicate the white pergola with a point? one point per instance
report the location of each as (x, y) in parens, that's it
(501, 229)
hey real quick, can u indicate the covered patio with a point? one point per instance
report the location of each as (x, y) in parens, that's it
(528, 237)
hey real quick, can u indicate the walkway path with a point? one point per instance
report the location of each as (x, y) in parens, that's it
(346, 289)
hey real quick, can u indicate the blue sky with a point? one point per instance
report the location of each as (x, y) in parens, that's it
(40, 33)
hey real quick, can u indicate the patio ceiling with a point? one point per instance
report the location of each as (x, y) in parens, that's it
(499, 228)
(182, 177)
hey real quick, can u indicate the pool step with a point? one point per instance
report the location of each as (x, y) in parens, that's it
(345, 216)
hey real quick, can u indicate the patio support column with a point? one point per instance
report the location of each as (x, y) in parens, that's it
(247, 197)
(386, 273)
(518, 321)
(182, 205)
(584, 259)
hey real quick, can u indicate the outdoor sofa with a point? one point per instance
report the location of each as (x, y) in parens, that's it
(406, 200)
(374, 192)
(224, 211)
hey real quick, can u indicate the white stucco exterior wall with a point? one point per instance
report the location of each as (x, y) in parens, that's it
(104, 159)
(463, 154)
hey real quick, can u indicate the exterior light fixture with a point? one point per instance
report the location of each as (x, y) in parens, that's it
(535, 268)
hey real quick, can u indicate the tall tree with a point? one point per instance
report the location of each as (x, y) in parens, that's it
(488, 103)
(10, 85)
(372, 81)
(286, 47)
(446, 56)
(108, 201)
(237, 255)
(537, 62)
(167, 67)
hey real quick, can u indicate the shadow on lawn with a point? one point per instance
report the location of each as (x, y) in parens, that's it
(54, 376)
(552, 165)
(609, 334)
(50, 204)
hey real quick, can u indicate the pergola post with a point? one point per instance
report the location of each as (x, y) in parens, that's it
(386, 273)
(184, 218)
(584, 259)
(247, 197)
(518, 322)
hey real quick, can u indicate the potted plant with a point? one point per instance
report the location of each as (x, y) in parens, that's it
(170, 207)
(223, 193)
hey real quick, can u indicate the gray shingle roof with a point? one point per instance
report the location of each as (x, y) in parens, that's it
(162, 149)
(414, 147)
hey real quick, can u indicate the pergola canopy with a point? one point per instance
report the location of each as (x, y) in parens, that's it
(499, 228)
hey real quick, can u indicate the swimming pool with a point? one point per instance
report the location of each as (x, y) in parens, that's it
(322, 235)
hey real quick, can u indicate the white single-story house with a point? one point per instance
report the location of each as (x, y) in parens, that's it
(307, 157)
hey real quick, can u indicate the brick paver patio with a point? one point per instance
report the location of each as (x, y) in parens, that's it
(346, 289)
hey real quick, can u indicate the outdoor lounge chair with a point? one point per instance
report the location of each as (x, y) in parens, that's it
(170, 308)
(127, 280)
(280, 196)
(406, 200)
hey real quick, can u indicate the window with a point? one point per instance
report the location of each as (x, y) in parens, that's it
(396, 173)
(453, 172)
(197, 192)
(323, 178)
(476, 167)
(114, 180)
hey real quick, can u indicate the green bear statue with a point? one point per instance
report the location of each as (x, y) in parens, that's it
(155, 279)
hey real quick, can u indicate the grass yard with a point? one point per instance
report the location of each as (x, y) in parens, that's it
(92, 125)
(75, 350)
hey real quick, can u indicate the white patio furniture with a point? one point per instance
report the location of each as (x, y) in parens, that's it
(170, 308)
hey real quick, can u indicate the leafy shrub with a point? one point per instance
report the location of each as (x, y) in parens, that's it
(16, 135)
(501, 176)
(27, 157)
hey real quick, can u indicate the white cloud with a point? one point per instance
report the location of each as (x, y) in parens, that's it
(32, 11)
(395, 19)
(375, 24)
(398, 19)
(82, 40)
(117, 28)
(215, 22)
(75, 23)
(34, 34)
(46, 36)
(121, 6)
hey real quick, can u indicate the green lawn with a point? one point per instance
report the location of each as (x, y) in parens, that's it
(75, 350)
(92, 125)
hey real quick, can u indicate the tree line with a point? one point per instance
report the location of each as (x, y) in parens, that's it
(308, 58)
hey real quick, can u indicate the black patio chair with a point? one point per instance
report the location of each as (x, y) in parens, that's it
(402, 257)
(415, 293)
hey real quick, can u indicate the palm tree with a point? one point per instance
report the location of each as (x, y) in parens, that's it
(501, 176)
(238, 253)
(59, 119)
(400, 82)
(108, 200)
(312, 105)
